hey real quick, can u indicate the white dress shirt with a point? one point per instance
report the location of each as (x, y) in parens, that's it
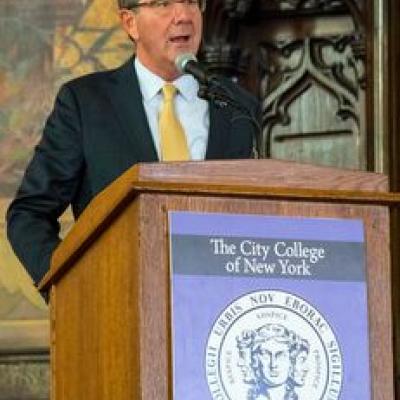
(193, 112)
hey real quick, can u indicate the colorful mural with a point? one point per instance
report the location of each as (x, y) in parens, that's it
(44, 43)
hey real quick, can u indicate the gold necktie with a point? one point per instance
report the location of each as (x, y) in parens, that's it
(172, 136)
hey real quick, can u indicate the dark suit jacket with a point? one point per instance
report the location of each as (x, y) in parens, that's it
(97, 130)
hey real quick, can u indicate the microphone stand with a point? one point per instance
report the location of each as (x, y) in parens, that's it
(215, 91)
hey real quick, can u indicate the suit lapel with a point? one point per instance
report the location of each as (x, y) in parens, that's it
(126, 97)
(220, 126)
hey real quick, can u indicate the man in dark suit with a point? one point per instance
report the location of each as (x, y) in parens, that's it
(104, 123)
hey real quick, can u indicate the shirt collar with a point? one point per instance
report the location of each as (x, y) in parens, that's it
(187, 86)
(151, 84)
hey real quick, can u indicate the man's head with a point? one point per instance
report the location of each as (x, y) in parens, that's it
(161, 30)
(272, 357)
(271, 354)
(299, 357)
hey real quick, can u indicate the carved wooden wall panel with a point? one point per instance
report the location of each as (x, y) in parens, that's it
(305, 60)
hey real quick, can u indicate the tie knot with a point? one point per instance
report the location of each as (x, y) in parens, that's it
(169, 91)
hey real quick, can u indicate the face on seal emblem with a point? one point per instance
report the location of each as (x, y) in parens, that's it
(272, 345)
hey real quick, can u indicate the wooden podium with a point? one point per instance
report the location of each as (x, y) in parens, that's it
(109, 278)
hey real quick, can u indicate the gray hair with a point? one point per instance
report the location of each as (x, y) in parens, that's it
(127, 3)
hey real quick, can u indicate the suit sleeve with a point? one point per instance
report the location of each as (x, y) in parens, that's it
(48, 186)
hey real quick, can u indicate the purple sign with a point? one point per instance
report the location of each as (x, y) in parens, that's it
(268, 307)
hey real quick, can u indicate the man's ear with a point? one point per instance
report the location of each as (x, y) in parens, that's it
(129, 24)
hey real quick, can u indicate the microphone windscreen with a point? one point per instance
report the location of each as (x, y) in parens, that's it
(182, 59)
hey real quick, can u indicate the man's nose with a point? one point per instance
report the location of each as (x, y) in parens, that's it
(182, 11)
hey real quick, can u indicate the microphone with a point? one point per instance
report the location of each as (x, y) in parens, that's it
(213, 89)
(210, 86)
(187, 63)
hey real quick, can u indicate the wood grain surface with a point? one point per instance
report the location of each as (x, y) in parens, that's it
(110, 296)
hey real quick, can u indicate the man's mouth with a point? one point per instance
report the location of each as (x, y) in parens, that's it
(180, 39)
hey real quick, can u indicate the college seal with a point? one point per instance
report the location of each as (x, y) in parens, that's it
(272, 345)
